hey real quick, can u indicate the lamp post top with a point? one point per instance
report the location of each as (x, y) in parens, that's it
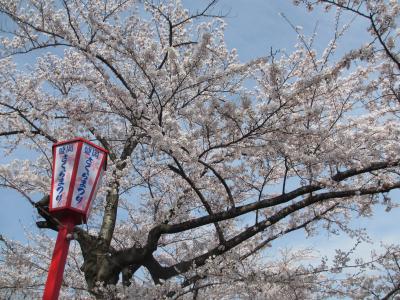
(79, 139)
(78, 166)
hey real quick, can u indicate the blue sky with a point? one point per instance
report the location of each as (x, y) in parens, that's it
(254, 26)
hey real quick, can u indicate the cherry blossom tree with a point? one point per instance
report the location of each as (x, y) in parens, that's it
(211, 159)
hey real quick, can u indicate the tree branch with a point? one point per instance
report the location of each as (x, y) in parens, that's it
(15, 132)
(37, 129)
(203, 200)
(110, 213)
(223, 182)
(200, 260)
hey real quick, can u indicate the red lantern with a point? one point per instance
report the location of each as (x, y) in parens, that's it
(78, 166)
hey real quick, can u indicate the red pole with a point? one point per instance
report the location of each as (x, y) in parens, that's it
(56, 269)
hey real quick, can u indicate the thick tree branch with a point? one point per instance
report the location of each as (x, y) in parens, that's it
(269, 202)
(112, 198)
(237, 211)
(110, 213)
(200, 260)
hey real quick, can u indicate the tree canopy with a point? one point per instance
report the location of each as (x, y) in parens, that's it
(211, 158)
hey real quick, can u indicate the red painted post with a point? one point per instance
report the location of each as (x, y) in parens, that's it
(56, 269)
(77, 168)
